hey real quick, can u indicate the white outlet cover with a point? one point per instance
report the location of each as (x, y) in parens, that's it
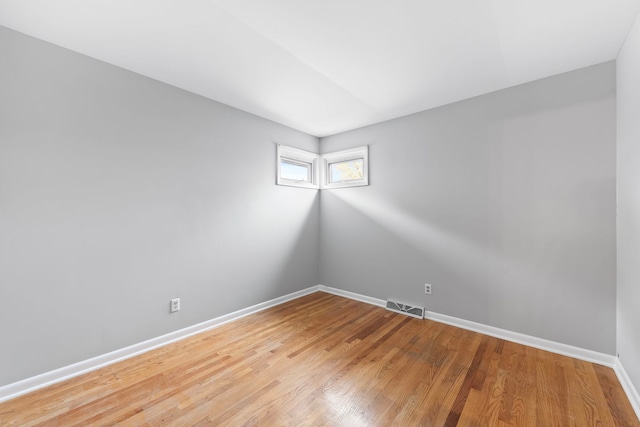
(174, 305)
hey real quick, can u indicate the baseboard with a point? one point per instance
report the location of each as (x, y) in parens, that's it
(352, 295)
(16, 389)
(28, 385)
(531, 341)
(627, 385)
(528, 340)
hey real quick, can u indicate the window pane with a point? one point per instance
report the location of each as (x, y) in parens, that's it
(294, 171)
(349, 170)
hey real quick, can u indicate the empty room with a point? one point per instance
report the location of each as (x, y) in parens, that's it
(336, 213)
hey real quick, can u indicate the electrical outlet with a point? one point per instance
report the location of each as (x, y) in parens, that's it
(427, 289)
(175, 305)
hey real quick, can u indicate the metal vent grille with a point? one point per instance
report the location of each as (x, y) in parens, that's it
(409, 310)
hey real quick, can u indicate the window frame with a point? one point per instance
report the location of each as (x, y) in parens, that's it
(344, 156)
(300, 157)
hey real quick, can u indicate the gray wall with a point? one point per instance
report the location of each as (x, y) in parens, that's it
(118, 193)
(115, 196)
(628, 79)
(504, 202)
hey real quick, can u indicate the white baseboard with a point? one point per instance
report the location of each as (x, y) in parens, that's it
(352, 295)
(16, 389)
(48, 378)
(528, 340)
(627, 385)
(531, 341)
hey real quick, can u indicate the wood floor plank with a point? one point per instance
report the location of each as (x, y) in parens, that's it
(463, 393)
(619, 406)
(483, 405)
(323, 360)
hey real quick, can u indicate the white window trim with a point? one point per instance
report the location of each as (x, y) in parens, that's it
(298, 156)
(342, 156)
(320, 164)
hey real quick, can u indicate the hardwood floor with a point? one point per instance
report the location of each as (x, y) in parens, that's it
(323, 360)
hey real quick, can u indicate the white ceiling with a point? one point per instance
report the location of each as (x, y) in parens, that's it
(328, 66)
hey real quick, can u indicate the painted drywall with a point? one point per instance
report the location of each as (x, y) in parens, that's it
(628, 110)
(118, 193)
(505, 203)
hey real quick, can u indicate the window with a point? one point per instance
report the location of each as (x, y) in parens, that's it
(348, 168)
(297, 168)
(295, 171)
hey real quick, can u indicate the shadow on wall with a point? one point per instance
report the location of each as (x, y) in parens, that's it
(401, 251)
(374, 245)
(255, 271)
(292, 272)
